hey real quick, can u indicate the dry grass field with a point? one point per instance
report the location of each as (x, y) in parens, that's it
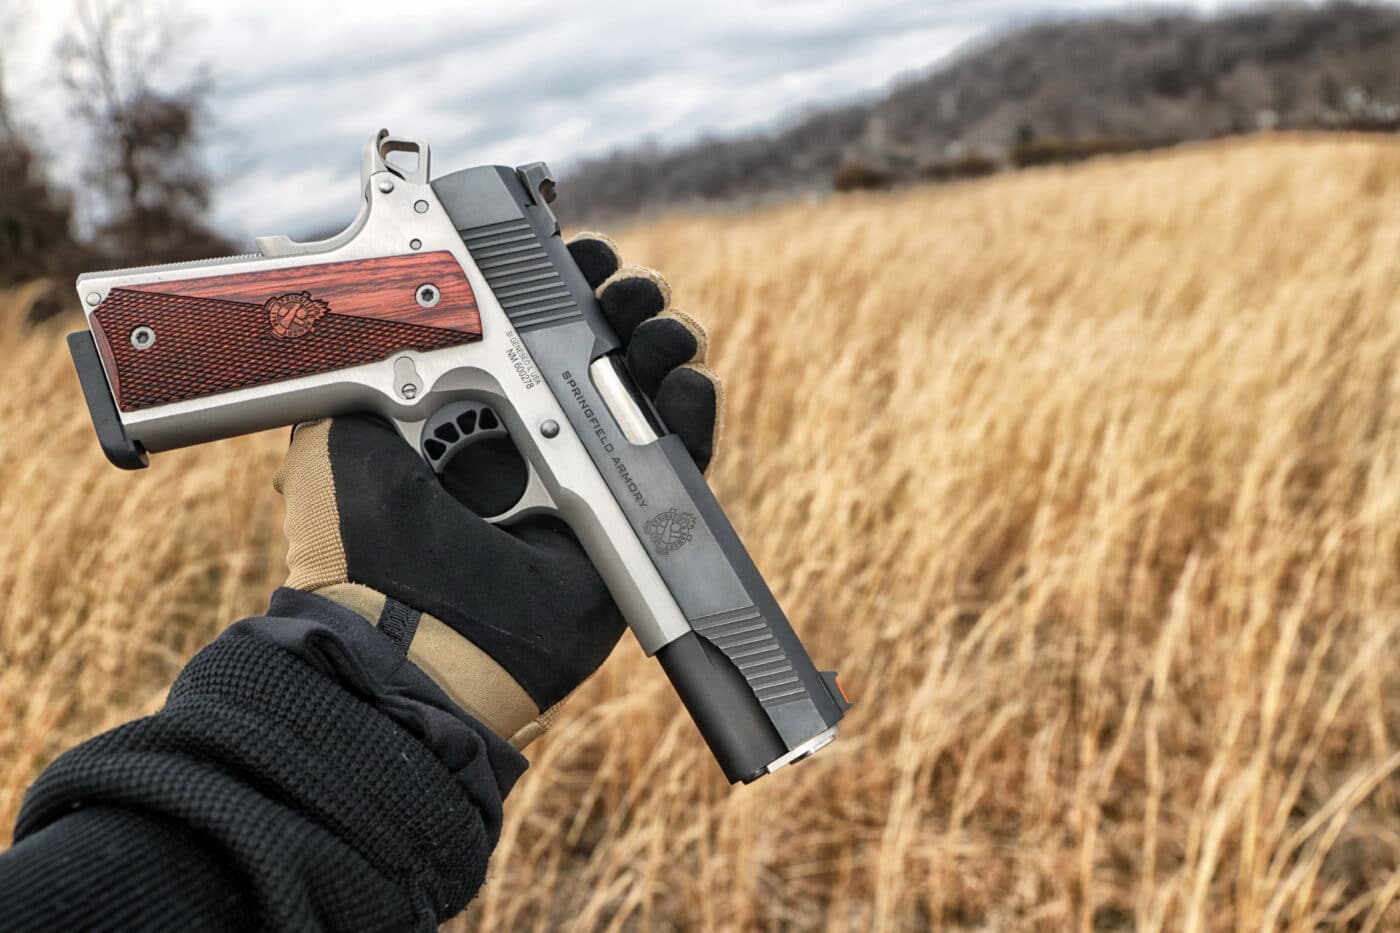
(1088, 481)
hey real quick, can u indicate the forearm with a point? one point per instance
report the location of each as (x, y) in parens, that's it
(301, 775)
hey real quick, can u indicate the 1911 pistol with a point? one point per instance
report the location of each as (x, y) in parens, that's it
(452, 308)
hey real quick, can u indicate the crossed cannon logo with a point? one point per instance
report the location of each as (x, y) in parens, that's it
(294, 315)
(670, 530)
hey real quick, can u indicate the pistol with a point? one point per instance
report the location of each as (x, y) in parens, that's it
(452, 308)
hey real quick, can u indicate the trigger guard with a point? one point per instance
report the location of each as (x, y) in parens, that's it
(456, 426)
(535, 500)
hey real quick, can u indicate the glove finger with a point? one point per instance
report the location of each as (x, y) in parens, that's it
(315, 556)
(363, 509)
(322, 536)
(596, 256)
(630, 296)
(691, 402)
(391, 467)
(503, 588)
(662, 343)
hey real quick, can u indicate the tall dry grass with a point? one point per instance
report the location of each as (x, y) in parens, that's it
(1088, 481)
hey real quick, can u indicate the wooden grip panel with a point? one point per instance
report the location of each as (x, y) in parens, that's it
(164, 342)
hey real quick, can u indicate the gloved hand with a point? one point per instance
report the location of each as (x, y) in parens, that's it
(506, 620)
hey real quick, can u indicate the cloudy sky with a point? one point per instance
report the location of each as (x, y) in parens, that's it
(300, 85)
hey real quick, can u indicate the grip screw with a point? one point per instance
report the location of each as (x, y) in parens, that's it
(427, 295)
(143, 338)
(550, 428)
(408, 390)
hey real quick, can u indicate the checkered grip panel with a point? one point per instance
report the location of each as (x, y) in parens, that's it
(204, 346)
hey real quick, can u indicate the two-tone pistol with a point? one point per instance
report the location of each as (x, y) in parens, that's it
(452, 308)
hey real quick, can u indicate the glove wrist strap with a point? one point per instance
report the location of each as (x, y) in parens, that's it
(470, 677)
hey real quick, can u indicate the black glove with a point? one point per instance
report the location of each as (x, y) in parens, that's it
(507, 621)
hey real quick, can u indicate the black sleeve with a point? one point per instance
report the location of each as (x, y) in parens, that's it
(302, 775)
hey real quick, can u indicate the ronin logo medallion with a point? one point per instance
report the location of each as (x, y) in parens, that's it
(294, 315)
(670, 531)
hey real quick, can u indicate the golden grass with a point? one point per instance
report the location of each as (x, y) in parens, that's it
(1087, 480)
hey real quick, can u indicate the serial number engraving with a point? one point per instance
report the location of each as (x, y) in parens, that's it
(520, 360)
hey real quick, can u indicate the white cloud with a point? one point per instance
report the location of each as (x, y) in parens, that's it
(300, 86)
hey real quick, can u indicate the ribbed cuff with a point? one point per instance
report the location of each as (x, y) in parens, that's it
(310, 773)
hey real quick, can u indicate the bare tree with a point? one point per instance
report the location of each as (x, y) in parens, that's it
(145, 110)
(7, 129)
(35, 230)
(9, 29)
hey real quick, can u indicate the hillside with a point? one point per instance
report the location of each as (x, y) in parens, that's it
(1144, 79)
(1091, 494)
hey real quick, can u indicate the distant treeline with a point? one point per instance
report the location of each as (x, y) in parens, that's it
(144, 187)
(1048, 93)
